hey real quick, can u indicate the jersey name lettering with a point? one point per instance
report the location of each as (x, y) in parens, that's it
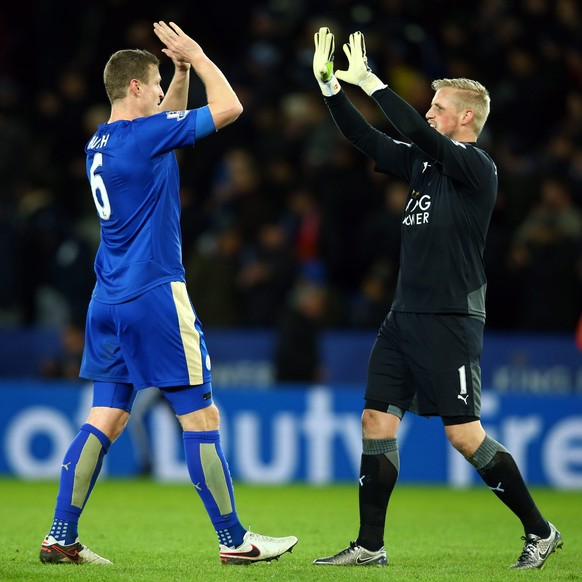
(98, 142)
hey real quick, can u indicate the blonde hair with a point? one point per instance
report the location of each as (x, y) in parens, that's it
(471, 95)
(125, 65)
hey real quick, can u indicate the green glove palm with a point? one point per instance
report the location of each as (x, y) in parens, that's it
(323, 61)
(359, 73)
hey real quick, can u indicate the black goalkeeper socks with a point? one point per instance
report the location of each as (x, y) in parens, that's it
(503, 477)
(378, 475)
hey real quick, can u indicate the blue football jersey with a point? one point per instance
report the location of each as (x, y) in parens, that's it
(135, 182)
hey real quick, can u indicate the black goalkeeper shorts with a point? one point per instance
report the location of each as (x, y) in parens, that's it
(427, 364)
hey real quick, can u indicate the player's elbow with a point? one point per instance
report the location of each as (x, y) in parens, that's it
(227, 113)
(236, 110)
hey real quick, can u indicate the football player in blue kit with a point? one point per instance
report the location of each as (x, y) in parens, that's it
(141, 328)
(426, 355)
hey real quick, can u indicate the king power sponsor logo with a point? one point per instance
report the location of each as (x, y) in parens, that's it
(417, 209)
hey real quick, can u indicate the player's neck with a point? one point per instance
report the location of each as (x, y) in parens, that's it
(120, 111)
(464, 136)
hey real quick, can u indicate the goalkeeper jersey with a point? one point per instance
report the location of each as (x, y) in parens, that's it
(452, 192)
(134, 178)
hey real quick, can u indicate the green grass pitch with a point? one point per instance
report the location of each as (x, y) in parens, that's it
(158, 532)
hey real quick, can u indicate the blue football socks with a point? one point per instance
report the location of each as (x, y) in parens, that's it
(210, 475)
(65, 532)
(80, 469)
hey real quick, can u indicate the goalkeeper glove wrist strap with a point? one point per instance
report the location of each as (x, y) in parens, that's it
(371, 83)
(330, 87)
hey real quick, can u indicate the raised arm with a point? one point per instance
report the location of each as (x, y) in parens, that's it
(224, 105)
(176, 97)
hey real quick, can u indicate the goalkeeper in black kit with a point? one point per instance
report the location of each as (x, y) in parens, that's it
(425, 358)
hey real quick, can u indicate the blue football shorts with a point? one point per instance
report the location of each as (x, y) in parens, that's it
(155, 339)
(183, 400)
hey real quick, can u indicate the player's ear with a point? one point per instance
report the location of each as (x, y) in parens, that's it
(134, 87)
(468, 117)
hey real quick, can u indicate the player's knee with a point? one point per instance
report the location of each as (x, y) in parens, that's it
(110, 421)
(465, 438)
(378, 425)
(205, 419)
(459, 443)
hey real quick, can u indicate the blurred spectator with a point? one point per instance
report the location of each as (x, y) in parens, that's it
(297, 352)
(39, 235)
(378, 238)
(239, 198)
(54, 264)
(211, 277)
(371, 303)
(303, 224)
(267, 271)
(545, 253)
(67, 366)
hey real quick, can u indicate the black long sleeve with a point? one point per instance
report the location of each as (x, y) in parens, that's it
(405, 119)
(353, 125)
(409, 122)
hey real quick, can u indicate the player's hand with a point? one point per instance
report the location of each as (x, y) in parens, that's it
(323, 56)
(182, 49)
(359, 72)
(323, 61)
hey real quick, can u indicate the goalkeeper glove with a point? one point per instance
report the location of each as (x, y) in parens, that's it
(323, 62)
(359, 73)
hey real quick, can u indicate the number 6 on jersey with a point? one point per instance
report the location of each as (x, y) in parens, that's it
(97, 183)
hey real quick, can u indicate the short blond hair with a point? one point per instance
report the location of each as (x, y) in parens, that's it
(125, 65)
(472, 95)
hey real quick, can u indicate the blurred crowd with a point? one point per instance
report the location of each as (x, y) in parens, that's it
(285, 223)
